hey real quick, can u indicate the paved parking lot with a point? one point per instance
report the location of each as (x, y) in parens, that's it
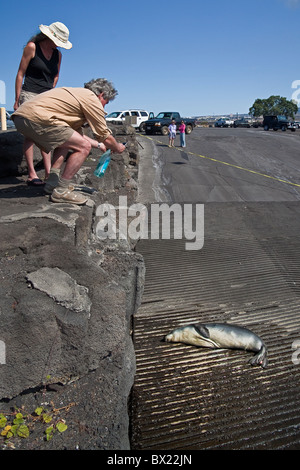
(247, 273)
(227, 164)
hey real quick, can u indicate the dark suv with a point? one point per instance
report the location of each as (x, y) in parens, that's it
(276, 122)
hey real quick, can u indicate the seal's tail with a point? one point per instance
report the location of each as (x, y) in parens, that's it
(260, 359)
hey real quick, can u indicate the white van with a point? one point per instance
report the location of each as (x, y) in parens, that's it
(135, 117)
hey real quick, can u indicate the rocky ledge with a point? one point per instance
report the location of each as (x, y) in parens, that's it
(66, 304)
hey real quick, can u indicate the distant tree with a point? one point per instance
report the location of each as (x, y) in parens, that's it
(274, 105)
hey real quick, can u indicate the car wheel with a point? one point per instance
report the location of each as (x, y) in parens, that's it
(142, 127)
(188, 129)
(164, 130)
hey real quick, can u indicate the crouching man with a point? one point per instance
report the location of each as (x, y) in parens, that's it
(53, 120)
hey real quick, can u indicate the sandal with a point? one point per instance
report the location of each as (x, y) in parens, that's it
(35, 182)
(68, 195)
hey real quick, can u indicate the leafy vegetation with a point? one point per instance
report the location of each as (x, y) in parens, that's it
(21, 424)
(274, 105)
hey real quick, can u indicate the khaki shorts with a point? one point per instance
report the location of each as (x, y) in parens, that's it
(47, 138)
(25, 96)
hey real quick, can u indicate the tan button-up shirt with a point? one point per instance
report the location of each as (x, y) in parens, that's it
(67, 107)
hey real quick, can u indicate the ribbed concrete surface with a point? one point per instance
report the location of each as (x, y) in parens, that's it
(195, 398)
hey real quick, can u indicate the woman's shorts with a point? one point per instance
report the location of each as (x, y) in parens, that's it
(47, 138)
(25, 96)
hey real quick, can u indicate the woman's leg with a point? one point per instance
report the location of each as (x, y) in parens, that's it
(47, 162)
(28, 153)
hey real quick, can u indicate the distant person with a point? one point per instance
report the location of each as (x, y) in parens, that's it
(53, 121)
(172, 133)
(40, 64)
(182, 134)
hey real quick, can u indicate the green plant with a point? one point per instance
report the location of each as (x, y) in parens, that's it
(49, 417)
(16, 428)
(20, 423)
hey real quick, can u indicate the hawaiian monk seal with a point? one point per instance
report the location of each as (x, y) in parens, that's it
(220, 336)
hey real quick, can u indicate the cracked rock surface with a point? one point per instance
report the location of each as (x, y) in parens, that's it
(66, 304)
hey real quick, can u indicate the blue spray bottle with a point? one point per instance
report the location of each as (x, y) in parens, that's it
(103, 164)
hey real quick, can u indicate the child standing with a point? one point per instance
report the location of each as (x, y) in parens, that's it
(172, 133)
(182, 134)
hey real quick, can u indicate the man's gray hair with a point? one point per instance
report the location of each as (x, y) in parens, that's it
(101, 85)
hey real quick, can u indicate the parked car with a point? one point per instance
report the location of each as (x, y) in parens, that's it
(224, 122)
(136, 117)
(242, 123)
(9, 122)
(292, 126)
(277, 122)
(257, 123)
(161, 122)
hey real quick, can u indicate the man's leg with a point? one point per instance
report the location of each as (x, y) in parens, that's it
(64, 190)
(81, 148)
(57, 162)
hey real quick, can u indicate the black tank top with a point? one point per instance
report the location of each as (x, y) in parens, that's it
(41, 72)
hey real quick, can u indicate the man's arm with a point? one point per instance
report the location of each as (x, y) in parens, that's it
(110, 143)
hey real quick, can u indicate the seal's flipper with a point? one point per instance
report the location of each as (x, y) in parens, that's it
(202, 330)
(260, 359)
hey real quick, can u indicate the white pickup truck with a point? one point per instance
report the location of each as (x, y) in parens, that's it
(137, 117)
(224, 122)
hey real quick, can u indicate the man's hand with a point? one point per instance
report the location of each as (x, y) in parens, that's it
(111, 143)
(121, 148)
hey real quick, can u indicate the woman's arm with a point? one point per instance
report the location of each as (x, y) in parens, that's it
(59, 64)
(28, 54)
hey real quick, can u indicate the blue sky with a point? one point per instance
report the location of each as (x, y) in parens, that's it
(200, 57)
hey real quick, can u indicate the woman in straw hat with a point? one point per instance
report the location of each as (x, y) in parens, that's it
(40, 65)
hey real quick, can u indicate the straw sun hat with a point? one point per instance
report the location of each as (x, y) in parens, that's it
(58, 33)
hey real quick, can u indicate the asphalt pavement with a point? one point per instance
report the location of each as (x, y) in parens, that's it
(247, 273)
(227, 165)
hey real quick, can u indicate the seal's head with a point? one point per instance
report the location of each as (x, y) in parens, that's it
(178, 335)
(196, 335)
